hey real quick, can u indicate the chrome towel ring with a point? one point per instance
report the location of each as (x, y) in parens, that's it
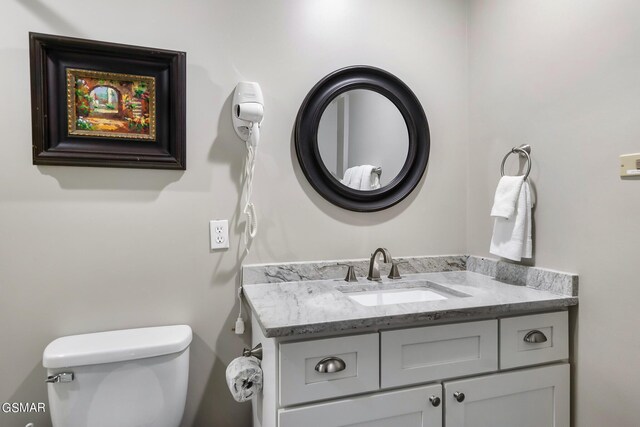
(523, 151)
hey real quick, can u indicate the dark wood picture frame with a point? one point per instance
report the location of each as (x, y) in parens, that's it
(53, 143)
(306, 138)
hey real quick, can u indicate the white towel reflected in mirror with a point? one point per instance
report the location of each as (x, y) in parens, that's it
(364, 177)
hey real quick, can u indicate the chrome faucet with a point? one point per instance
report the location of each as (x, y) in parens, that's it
(374, 268)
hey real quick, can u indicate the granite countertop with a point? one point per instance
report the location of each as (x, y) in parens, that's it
(311, 305)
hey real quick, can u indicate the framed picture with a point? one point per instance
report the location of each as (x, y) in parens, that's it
(105, 104)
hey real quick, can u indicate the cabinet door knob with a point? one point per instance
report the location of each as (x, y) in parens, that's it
(331, 364)
(435, 401)
(535, 336)
(458, 396)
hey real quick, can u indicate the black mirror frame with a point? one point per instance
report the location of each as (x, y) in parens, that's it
(306, 138)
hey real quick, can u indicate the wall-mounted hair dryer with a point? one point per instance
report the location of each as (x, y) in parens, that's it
(247, 111)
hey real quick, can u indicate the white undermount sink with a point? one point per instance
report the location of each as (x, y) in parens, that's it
(397, 293)
(395, 296)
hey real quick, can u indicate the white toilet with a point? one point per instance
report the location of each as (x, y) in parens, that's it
(133, 377)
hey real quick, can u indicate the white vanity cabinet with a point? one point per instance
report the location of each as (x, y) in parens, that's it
(507, 372)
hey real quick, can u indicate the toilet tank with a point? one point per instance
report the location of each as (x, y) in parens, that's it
(127, 378)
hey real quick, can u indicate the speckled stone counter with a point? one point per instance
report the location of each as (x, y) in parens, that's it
(306, 298)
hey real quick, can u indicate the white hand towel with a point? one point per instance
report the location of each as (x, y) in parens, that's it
(375, 181)
(506, 197)
(348, 176)
(361, 178)
(352, 177)
(512, 236)
(366, 179)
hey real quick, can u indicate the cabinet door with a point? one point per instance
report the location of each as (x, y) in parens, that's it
(529, 398)
(405, 408)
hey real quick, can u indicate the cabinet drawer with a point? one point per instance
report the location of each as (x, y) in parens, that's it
(300, 380)
(403, 408)
(418, 355)
(518, 336)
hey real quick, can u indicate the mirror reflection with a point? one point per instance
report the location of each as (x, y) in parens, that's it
(363, 139)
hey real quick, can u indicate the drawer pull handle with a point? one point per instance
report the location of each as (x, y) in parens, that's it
(459, 396)
(435, 401)
(535, 336)
(331, 364)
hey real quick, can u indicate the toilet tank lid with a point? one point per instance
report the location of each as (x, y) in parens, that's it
(116, 346)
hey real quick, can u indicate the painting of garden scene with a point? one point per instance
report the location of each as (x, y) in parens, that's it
(111, 105)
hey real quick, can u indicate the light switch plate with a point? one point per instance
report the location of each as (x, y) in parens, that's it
(219, 233)
(630, 165)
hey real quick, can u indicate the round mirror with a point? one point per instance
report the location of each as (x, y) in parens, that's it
(362, 139)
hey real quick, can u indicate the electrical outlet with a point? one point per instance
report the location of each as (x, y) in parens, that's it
(219, 232)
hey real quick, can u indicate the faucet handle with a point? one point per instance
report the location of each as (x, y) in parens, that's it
(351, 273)
(394, 273)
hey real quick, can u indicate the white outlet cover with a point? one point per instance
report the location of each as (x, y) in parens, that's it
(219, 234)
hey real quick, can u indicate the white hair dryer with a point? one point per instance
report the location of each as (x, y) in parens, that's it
(247, 111)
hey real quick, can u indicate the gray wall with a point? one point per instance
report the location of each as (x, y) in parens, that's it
(377, 134)
(563, 76)
(90, 249)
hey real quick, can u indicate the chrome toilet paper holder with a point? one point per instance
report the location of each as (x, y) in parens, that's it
(255, 352)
